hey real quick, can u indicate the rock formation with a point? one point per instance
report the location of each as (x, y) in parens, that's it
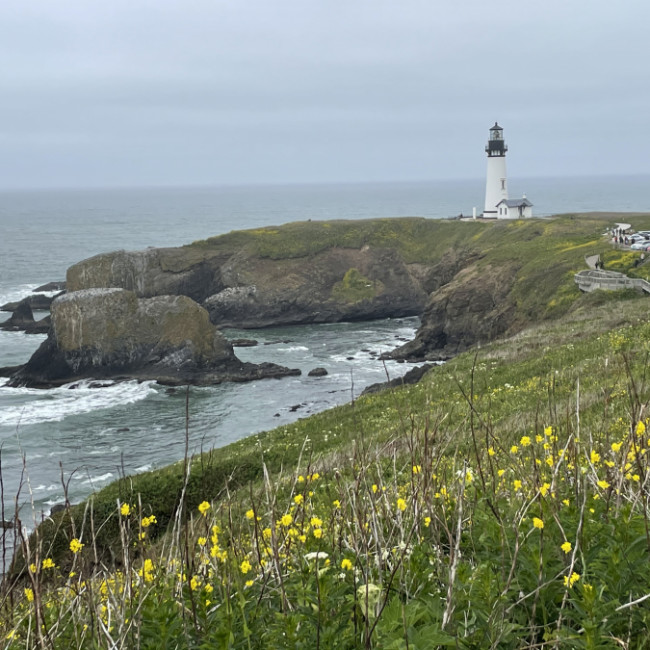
(22, 319)
(241, 288)
(111, 333)
(474, 307)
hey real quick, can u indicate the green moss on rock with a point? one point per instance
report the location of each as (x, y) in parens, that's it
(355, 287)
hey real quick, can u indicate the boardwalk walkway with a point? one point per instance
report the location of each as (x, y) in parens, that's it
(593, 279)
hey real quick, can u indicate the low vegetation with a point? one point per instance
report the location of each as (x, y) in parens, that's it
(500, 503)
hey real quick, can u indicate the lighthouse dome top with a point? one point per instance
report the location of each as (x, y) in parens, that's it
(496, 127)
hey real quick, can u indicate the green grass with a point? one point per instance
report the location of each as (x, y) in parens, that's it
(501, 502)
(444, 510)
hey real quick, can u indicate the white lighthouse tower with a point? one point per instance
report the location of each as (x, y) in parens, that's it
(496, 187)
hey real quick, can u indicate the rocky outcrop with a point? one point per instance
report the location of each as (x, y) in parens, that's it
(36, 302)
(476, 306)
(413, 376)
(111, 333)
(240, 288)
(335, 285)
(22, 319)
(182, 271)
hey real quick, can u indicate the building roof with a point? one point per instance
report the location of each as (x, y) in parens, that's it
(515, 203)
(495, 127)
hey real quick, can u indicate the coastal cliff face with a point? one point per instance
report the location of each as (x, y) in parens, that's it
(475, 307)
(241, 288)
(111, 333)
(470, 281)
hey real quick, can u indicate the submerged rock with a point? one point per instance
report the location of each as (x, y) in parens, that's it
(110, 333)
(317, 372)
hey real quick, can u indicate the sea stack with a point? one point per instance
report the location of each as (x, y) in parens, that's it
(111, 333)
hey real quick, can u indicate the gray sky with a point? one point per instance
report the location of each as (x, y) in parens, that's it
(164, 92)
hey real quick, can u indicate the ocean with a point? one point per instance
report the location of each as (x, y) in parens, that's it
(87, 437)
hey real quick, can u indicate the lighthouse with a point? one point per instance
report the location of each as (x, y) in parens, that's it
(497, 203)
(496, 186)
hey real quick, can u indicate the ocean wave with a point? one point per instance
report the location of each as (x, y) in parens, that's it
(294, 348)
(102, 478)
(58, 403)
(14, 294)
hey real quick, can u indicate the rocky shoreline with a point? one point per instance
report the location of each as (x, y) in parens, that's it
(112, 334)
(462, 279)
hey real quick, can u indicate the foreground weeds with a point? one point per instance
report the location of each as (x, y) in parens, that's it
(504, 514)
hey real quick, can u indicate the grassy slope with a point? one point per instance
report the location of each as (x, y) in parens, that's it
(547, 251)
(491, 398)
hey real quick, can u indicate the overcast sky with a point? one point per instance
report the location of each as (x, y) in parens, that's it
(164, 92)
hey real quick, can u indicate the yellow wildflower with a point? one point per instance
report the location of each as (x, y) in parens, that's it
(566, 547)
(570, 581)
(147, 521)
(245, 567)
(301, 479)
(517, 484)
(75, 545)
(401, 504)
(501, 472)
(346, 564)
(336, 503)
(317, 532)
(195, 583)
(374, 488)
(316, 522)
(640, 428)
(491, 451)
(514, 449)
(298, 499)
(204, 506)
(250, 514)
(202, 541)
(427, 522)
(249, 583)
(417, 469)
(286, 520)
(538, 523)
(616, 446)
(603, 485)
(525, 441)
(544, 489)
(29, 594)
(125, 510)
(48, 563)
(594, 457)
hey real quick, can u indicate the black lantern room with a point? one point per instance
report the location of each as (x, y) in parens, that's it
(496, 146)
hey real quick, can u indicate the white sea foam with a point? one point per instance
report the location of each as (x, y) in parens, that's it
(294, 348)
(58, 403)
(97, 479)
(16, 293)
